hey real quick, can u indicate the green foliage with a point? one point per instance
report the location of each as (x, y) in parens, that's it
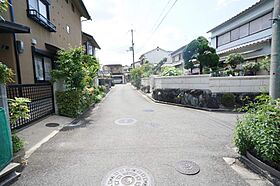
(259, 130)
(171, 71)
(252, 67)
(228, 100)
(265, 64)
(6, 74)
(18, 143)
(234, 59)
(18, 108)
(76, 68)
(199, 49)
(136, 75)
(4, 5)
(146, 70)
(80, 100)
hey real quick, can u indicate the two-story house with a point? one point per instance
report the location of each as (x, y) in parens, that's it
(90, 44)
(154, 56)
(30, 36)
(175, 59)
(248, 33)
(116, 71)
(53, 25)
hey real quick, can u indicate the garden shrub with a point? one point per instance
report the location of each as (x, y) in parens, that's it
(259, 130)
(228, 100)
(18, 143)
(68, 103)
(80, 100)
(6, 74)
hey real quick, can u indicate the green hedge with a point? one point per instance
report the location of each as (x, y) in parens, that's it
(259, 130)
(72, 103)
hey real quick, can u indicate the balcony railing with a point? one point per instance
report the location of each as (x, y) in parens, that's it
(39, 18)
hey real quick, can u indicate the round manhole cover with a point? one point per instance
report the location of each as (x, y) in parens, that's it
(52, 125)
(187, 167)
(148, 110)
(128, 176)
(126, 121)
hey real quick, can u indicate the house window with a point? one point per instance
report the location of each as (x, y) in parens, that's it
(224, 39)
(38, 10)
(244, 30)
(261, 23)
(43, 67)
(89, 49)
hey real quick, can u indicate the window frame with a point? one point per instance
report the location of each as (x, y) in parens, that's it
(40, 18)
(42, 54)
(249, 30)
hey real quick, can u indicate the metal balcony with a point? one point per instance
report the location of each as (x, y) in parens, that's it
(39, 18)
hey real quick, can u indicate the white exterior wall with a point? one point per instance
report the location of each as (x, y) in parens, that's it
(239, 84)
(155, 56)
(182, 82)
(257, 11)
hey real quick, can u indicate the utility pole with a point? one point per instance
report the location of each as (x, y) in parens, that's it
(274, 89)
(132, 48)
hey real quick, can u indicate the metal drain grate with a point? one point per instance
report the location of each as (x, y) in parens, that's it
(187, 167)
(128, 176)
(126, 121)
(52, 125)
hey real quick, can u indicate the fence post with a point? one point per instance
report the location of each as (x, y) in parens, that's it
(4, 99)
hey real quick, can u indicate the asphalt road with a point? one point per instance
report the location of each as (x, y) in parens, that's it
(162, 136)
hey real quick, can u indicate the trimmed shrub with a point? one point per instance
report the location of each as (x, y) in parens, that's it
(68, 103)
(228, 100)
(18, 144)
(259, 130)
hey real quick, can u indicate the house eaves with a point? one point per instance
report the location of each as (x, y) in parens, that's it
(256, 5)
(182, 48)
(82, 9)
(91, 40)
(158, 48)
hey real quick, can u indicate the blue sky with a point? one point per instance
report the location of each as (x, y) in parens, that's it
(112, 20)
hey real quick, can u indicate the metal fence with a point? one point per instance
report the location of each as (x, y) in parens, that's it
(42, 101)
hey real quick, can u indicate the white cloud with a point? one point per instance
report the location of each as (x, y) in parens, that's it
(224, 3)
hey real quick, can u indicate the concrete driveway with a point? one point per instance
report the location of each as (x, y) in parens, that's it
(151, 140)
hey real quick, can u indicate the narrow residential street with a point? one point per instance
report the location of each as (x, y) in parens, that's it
(158, 138)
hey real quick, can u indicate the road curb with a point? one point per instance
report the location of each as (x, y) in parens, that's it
(255, 168)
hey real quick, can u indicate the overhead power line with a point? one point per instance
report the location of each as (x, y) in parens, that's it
(161, 21)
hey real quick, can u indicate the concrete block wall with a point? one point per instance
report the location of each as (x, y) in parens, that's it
(239, 84)
(182, 82)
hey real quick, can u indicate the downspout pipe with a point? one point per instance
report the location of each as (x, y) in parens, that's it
(18, 71)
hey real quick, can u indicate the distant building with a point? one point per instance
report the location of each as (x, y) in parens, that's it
(89, 43)
(176, 59)
(116, 71)
(248, 33)
(154, 56)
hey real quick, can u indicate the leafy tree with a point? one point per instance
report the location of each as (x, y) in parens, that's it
(136, 75)
(199, 49)
(234, 59)
(76, 68)
(190, 53)
(171, 71)
(265, 64)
